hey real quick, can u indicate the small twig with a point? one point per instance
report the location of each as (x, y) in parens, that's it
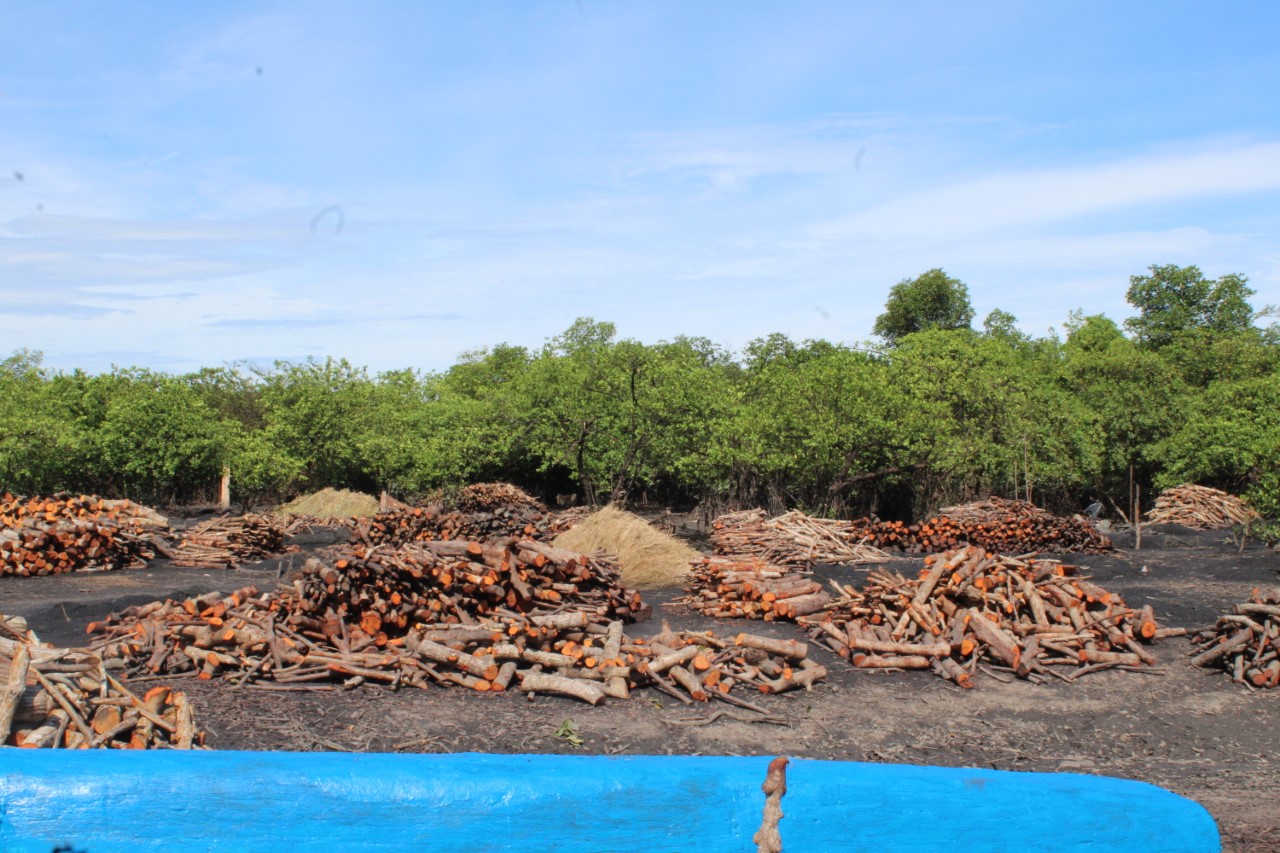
(991, 672)
(706, 721)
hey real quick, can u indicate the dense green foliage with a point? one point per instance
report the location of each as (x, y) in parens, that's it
(1188, 390)
(933, 300)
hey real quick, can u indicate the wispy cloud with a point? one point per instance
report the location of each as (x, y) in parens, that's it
(306, 323)
(1014, 201)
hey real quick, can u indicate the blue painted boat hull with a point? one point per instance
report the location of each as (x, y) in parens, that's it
(130, 802)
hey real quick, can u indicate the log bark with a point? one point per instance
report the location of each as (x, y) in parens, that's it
(790, 649)
(540, 682)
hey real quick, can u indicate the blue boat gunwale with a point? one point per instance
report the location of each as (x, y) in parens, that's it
(116, 800)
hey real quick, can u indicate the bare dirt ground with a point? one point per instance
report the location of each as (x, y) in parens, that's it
(1189, 730)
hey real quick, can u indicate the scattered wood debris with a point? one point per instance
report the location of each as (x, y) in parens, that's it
(791, 539)
(1244, 643)
(970, 607)
(224, 543)
(65, 533)
(753, 590)
(1200, 508)
(65, 698)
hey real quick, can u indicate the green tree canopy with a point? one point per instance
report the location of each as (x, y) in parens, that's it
(933, 300)
(1173, 300)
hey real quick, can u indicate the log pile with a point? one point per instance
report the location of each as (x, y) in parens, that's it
(753, 590)
(521, 615)
(65, 698)
(434, 523)
(1200, 508)
(970, 609)
(65, 533)
(224, 543)
(699, 665)
(791, 539)
(1244, 643)
(567, 519)
(387, 615)
(999, 525)
(489, 497)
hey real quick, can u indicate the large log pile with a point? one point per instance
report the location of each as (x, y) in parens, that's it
(66, 698)
(487, 617)
(753, 590)
(65, 533)
(1200, 508)
(791, 539)
(434, 523)
(997, 524)
(970, 608)
(223, 543)
(1245, 643)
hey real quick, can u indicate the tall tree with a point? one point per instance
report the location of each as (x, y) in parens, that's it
(1173, 300)
(933, 300)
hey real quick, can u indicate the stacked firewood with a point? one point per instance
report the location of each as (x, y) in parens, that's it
(224, 543)
(996, 524)
(970, 608)
(1200, 508)
(792, 539)
(489, 497)
(431, 523)
(1246, 642)
(64, 533)
(66, 698)
(753, 590)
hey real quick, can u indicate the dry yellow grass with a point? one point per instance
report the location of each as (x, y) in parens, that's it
(332, 503)
(648, 558)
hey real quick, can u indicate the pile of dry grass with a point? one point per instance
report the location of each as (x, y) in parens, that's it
(648, 558)
(332, 503)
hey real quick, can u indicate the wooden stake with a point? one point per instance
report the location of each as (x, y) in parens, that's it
(16, 686)
(768, 839)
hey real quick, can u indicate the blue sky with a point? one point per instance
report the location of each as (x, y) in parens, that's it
(394, 183)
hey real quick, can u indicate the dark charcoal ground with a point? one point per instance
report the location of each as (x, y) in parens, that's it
(1187, 729)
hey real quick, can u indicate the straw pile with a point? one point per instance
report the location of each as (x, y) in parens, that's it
(647, 557)
(332, 503)
(1200, 508)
